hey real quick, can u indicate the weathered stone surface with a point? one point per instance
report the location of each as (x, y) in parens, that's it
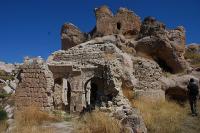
(35, 85)
(10, 111)
(166, 47)
(151, 27)
(124, 22)
(148, 73)
(71, 36)
(7, 67)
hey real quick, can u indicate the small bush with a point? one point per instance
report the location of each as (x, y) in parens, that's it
(4, 95)
(6, 76)
(98, 122)
(3, 114)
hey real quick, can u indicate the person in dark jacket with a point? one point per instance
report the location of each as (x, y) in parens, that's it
(193, 94)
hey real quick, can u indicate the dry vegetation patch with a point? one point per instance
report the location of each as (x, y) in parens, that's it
(3, 126)
(30, 120)
(161, 116)
(98, 122)
(194, 57)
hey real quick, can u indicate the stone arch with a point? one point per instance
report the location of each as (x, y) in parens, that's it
(177, 94)
(96, 92)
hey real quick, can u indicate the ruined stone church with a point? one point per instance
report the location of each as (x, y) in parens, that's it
(93, 68)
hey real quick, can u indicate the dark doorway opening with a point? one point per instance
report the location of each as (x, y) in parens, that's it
(67, 109)
(93, 95)
(119, 26)
(164, 66)
(97, 95)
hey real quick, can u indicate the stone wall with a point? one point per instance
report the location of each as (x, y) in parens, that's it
(147, 73)
(35, 85)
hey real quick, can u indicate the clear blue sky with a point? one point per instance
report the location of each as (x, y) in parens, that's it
(32, 27)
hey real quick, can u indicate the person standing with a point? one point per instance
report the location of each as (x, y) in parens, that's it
(193, 94)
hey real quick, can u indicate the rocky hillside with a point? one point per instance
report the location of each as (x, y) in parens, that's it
(193, 55)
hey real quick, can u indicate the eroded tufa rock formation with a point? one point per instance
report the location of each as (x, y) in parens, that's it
(166, 47)
(71, 36)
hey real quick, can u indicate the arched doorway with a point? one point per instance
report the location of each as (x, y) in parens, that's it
(97, 92)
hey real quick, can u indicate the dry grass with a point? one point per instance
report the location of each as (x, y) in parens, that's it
(33, 116)
(194, 57)
(98, 122)
(5, 75)
(161, 117)
(128, 92)
(3, 126)
(30, 119)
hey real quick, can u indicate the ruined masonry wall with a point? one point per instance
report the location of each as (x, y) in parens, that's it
(35, 87)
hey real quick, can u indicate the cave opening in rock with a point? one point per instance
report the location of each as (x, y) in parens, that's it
(176, 94)
(164, 66)
(118, 25)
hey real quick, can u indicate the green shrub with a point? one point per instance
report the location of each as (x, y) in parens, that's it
(3, 114)
(4, 95)
(6, 76)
